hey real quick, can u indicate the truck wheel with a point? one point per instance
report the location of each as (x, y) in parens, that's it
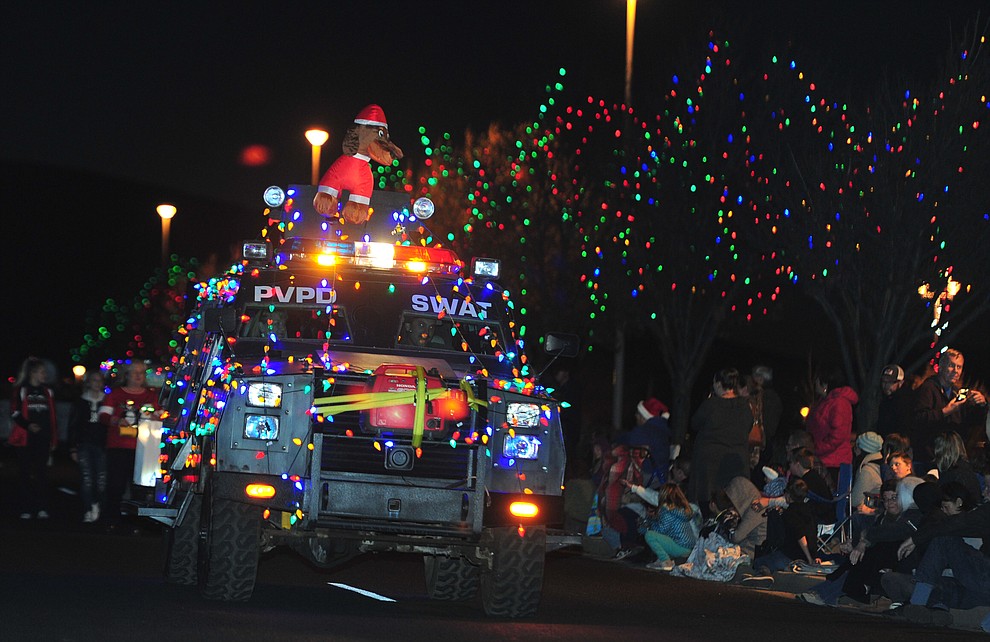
(182, 546)
(451, 579)
(513, 586)
(230, 551)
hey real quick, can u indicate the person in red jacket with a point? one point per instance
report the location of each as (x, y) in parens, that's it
(121, 411)
(34, 434)
(830, 421)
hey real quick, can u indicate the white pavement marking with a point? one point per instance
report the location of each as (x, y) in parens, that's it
(376, 596)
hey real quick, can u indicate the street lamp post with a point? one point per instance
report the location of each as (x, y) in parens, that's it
(165, 211)
(316, 138)
(619, 352)
(630, 32)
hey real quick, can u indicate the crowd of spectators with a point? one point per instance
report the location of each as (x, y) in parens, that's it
(100, 439)
(917, 504)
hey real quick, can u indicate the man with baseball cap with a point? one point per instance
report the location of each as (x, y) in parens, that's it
(895, 407)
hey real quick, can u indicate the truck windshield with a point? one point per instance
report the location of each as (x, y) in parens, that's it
(431, 333)
(325, 323)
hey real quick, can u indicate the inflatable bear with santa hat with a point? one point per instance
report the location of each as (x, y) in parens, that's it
(366, 140)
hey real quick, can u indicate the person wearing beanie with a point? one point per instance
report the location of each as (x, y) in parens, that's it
(651, 432)
(866, 477)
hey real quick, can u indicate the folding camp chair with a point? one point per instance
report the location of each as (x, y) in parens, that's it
(841, 529)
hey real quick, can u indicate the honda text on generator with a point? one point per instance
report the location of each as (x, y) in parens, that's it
(344, 391)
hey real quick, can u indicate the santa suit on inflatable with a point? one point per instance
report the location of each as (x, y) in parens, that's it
(352, 171)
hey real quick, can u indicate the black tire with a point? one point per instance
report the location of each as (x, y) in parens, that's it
(451, 579)
(513, 586)
(182, 546)
(230, 551)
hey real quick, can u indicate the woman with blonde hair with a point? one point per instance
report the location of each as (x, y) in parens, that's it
(952, 464)
(120, 412)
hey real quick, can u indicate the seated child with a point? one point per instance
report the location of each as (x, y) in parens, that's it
(791, 532)
(674, 530)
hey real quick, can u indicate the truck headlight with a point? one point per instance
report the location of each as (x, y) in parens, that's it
(264, 395)
(522, 415)
(261, 427)
(521, 447)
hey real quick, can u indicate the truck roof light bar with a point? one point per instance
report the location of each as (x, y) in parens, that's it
(384, 256)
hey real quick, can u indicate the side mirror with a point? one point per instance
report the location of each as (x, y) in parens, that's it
(217, 319)
(561, 345)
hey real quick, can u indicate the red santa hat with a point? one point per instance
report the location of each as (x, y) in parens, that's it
(649, 408)
(372, 115)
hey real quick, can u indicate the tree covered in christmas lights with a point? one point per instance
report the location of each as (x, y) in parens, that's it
(513, 193)
(682, 230)
(882, 202)
(144, 327)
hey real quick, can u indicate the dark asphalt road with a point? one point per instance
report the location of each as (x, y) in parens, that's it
(61, 580)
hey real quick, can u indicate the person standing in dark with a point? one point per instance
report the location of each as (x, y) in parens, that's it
(830, 421)
(720, 430)
(32, 407)
(941, 403)
(894, 413)
(88, 439)
(770, 403)
(120, 412)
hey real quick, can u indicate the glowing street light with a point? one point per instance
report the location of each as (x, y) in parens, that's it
(630, 33)
(316, 138)
(165, 211)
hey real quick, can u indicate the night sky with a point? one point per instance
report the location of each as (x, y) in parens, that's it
(169, 95)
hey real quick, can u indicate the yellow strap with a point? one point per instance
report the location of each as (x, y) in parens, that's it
(472, 400)
(329, 406)
(419, 421)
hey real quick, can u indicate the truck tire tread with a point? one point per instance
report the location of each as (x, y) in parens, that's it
(451, 579)
(234, 551)
(182, 547)
(514, 585)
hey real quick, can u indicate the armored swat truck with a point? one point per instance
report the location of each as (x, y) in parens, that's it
(348, 389)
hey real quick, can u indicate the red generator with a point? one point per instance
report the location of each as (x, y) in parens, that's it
(402, 378)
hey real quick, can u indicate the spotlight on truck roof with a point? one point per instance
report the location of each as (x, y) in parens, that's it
(423, 208)
(486, 268)
(256, 251)
(274, 196)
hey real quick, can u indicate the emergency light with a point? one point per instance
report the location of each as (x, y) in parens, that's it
(370, 254)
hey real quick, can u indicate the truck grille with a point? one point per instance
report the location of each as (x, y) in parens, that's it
(358, 455)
